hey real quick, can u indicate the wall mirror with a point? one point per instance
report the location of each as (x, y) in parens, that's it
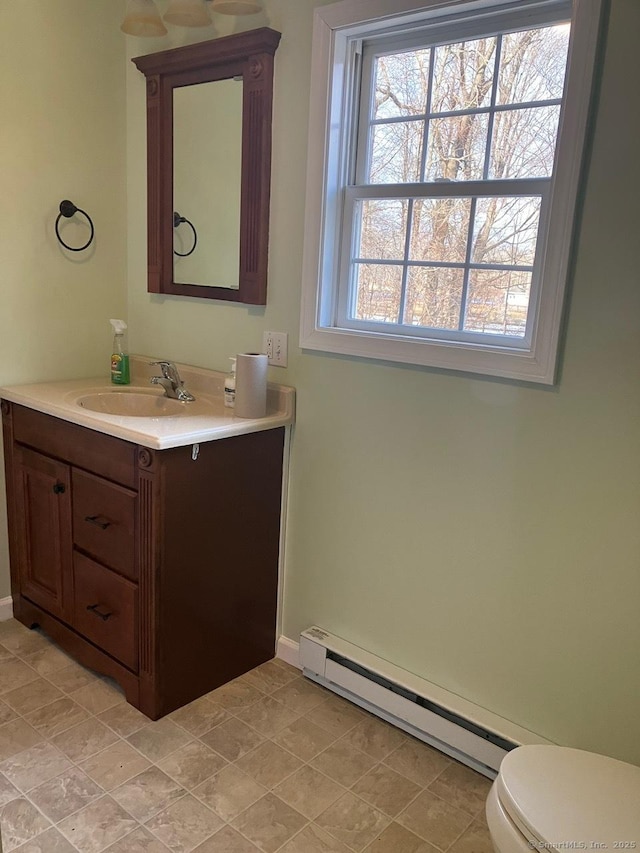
(209, 166)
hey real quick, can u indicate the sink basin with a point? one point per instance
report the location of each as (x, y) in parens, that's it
(132, 404)
(142, 414)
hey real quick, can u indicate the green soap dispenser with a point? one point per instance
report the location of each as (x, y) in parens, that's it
(119, 355)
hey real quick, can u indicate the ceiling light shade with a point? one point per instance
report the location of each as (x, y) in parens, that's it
(236, 7)
(188, 13)
(143, 19)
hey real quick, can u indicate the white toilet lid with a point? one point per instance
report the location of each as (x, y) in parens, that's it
(556, 795)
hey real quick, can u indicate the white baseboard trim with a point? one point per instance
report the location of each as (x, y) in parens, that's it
(6, 609)
(289, 651)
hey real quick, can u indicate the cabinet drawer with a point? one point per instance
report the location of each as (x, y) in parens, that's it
(106, 610)
(103, 454)
(104, 521)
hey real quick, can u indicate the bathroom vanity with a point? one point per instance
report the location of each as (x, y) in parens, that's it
(147, 547)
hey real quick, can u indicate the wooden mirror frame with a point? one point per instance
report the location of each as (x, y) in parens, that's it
(250, 55)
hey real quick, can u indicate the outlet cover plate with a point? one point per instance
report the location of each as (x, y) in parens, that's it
(275, 345)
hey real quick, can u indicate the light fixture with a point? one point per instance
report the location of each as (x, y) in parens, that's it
(188, 13)
(236, 7)
(143, 19)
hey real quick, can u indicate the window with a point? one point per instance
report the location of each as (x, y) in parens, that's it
(445, 147)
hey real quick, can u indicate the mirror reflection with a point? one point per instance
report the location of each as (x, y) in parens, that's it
(207, 170)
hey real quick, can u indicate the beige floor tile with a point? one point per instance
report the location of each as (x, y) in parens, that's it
(158, 739)
(192, 764)
(34, 766)
(268, 723)
(48, 660)
(475, 839)
(294, 670)
(138, 841)
(417, 762)
(229, 792)
(335, 716)
(50, 841)
(200, 716)
(14, 673)
(114, 765)
(25, 644)
(312, 839)
(17, 736)
(97, 825)
(269, 677)
(98, 696)
(481, 818)
(72, 677)
(434, 820)
(6, 713)
(353, 822)
(227, 840)
(304, 739)
(148, 793)
(65, 794)
(21, 822)
(300, 695)
(8, 791)
(343, 763)
(269, 823)
(376, 738)
(387, 790)
(12, 626)
(32, 696)
(184, 824)
(267, 716)
(268, 764)
(397, 839)
(309, 792)
(124, 719)
(462, 787)
(236, 695)
(57, 717)
(232, 739)
(84, 740)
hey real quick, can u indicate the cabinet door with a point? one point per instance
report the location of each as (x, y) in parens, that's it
(43, 496)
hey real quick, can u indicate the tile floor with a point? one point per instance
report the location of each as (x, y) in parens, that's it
(270, 762)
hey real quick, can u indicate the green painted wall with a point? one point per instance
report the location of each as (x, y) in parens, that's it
(62, 135)
(481, 534)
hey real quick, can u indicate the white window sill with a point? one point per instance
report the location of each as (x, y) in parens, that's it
(468, 358)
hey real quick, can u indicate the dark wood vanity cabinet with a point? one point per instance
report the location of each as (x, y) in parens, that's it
(158, 568)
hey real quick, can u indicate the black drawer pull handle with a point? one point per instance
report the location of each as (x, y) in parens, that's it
(94, 609)
(95, 519)
(58, 488)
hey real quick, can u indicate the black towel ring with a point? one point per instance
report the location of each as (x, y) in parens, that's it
(68, 209)
(178, 220)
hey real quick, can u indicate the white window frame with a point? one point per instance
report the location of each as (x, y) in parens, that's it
(330, 129)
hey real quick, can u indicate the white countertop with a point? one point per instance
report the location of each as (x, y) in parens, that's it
(206, 419)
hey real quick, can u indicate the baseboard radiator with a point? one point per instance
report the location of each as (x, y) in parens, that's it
(461, 729)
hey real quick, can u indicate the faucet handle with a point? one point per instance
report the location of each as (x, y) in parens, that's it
(168, 368)
(171, 381)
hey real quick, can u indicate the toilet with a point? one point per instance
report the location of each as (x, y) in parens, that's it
(560, 799)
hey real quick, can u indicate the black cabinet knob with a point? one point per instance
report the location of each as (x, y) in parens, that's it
(59, 489)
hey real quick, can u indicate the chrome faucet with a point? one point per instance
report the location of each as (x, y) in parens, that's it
(171, 382)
